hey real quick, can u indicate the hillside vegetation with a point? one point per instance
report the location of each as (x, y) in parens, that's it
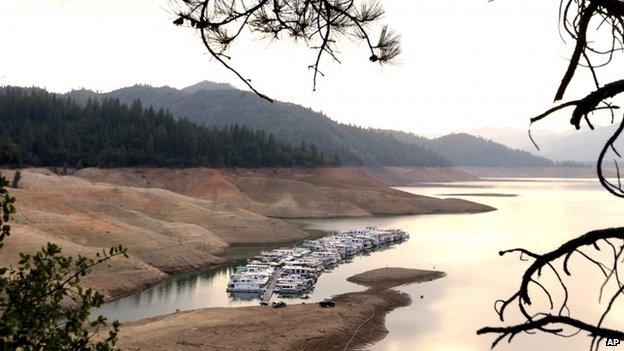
(43, 129)
(214, 104)
(467, 150)
(210, 106)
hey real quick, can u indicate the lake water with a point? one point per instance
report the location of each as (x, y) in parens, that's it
(543, 214)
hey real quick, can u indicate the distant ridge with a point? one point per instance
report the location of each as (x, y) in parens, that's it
(218, 104)
(463, 149)
(572, 145)
(468, 150)
(207, 86)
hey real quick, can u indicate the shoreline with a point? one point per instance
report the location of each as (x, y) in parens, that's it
(536, 172)
(357, 320)
(180, 221)
(229, 257)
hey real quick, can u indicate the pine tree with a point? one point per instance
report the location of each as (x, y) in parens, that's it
(42, 129)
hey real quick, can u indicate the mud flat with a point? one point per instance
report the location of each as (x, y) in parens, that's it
(357, 320)
(386, 278)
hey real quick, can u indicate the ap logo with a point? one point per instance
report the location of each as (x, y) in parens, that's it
(613, 342)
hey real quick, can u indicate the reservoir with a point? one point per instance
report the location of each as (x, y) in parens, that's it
(536, 214)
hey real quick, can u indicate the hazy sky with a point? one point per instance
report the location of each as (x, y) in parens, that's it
(466, 64)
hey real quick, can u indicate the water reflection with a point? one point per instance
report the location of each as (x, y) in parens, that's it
(207, 289)
(543, 215)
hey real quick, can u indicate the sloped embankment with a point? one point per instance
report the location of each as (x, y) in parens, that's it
(175, 221)
(299, 193)
(165, 232)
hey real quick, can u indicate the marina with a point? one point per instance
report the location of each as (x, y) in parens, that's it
(464, 246)
(293, 272)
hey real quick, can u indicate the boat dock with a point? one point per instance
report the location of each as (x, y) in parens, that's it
(294, 271)
(266, 295)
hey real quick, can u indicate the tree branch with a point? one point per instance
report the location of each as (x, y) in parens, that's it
(318, 23)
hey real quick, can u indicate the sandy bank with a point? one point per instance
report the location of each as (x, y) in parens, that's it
(386, 278)
(357, 320)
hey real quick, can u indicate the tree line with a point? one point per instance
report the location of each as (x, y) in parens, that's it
(44, 129)
(289, 122)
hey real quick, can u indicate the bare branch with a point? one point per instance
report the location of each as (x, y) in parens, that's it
(320, 24)
(552, 321)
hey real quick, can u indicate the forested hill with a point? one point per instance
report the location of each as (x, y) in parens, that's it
(216, 104)
(212, 104)
(44, 129)
(467, 150)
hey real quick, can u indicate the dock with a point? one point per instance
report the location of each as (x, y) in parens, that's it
(300, 266)
(266, 295)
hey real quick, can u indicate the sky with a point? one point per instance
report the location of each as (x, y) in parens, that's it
(466, 64)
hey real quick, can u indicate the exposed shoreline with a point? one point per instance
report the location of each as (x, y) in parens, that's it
(357, 320)
(536, 172)
(178, 221)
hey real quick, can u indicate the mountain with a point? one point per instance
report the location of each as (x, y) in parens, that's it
(213, 104)
(582, 146)
(43, 129)
(290, 122)
(463, 149)
(468, 150)
(578, 146)
(514, 138)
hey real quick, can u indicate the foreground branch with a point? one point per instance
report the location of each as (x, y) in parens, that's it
(564, 251)
(580, 19)
(549, 321)
(319, 24)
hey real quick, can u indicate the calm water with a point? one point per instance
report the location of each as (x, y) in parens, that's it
(542, 215)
